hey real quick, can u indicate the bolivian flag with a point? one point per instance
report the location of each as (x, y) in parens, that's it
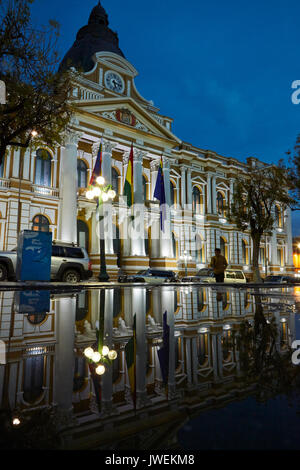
(130, 355)
(97, 171)
(128, 185)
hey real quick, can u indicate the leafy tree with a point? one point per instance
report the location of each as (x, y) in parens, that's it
(37, 94)
(253, 206)
(264, 359)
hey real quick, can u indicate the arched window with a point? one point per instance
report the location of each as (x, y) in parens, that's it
(200, 255)
(117, 246)
(197, 200)
(40, 223)
(202, 349)
(33, 378)
(200, 299)
(146, 243)
(117, 303)
(220, 203)
(222, 246)
(145, 187)
(80, 373)
(174, 246)
(81, 174)
(36, 318)
(172, 193)
(83, 234)
(82, 305)
(244, 252)
(43, 168)
(115, 180)
(278, 217)
(226, 346)
(280, 255)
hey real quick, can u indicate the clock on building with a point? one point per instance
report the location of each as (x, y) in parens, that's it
(114, 81)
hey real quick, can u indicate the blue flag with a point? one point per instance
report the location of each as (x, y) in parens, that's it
(163, 353)
(159, 193)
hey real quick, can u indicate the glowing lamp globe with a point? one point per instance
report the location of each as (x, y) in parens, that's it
(105, 350)
(89, 195)
(100, 180)
(88, 352)
(96, 356)
(111, 194)
(112, 355)
(97, 192)
(16, 422)
(100, 370)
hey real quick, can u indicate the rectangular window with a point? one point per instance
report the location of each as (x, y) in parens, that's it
(73, 252)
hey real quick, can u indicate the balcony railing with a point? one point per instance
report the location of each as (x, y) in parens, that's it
(4, 183)
(45, 191)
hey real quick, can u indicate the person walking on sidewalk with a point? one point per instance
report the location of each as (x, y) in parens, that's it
(219, 264)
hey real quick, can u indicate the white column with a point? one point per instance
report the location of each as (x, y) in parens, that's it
(273, 246)
(214, 195)
(138, 235)
(166, 250)
(64, 354)
(68, 189)
(139, 308)
(189, 188)
(26, 164)
(231, 190)
(183, 192)
(153, 176)
(208, 186)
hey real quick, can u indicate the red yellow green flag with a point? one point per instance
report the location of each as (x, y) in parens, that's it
(128, 185)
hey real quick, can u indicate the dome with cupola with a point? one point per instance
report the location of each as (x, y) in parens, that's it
(96, 36)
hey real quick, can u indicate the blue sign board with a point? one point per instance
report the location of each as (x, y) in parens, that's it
(32, 301)
(34, 256)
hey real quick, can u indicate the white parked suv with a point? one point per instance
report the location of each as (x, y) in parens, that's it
(69, 263)
(232, 276)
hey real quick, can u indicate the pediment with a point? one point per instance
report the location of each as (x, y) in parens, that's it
(126, 112)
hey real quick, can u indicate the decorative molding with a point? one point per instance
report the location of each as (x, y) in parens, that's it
(108, 146)
(154, 164)
(138, 155)
(125, 116)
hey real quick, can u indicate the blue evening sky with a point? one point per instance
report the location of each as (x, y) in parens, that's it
(222, 69)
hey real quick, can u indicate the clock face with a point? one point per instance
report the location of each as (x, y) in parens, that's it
(114, 82)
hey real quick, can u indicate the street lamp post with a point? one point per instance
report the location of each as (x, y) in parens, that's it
(104, 194)
(185, 258)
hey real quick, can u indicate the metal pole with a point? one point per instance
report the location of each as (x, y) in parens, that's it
(103, 276)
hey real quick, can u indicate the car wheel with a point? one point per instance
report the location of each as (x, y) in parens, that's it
(71, 276)
(3, 272)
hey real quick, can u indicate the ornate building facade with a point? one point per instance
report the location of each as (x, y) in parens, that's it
(45, 188)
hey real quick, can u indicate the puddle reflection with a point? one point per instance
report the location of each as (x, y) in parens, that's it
(215, 346)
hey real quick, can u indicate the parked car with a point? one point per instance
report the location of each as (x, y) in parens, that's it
(151, 276)
(69, 263)
(280, 279)
(232, 276)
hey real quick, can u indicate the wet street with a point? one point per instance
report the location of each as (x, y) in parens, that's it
(186, 368)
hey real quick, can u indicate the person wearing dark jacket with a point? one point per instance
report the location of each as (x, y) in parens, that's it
(219, 264)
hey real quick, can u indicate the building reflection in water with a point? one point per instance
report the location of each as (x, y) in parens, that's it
(46, 368)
